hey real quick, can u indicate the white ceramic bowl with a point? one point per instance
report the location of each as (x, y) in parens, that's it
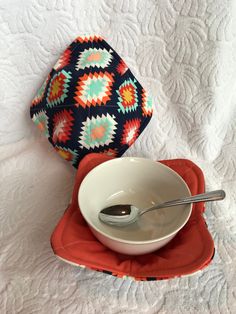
(143, 183)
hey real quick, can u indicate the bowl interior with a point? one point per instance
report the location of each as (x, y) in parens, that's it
(143, 183)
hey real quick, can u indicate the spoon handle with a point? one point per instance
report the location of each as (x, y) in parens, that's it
(205, 197)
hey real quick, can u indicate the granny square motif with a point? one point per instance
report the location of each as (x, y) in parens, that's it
(91, 102)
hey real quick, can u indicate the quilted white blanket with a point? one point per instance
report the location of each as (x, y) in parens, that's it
(184, 53)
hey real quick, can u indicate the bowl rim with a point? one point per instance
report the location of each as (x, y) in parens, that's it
(117, 239)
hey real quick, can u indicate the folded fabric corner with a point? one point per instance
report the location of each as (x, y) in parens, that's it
(91, 102)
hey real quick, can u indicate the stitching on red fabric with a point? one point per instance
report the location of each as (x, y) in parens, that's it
(181, 162)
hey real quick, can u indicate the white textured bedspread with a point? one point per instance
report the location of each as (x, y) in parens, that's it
(184, 53)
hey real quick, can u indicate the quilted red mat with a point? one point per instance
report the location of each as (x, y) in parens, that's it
(191, 250)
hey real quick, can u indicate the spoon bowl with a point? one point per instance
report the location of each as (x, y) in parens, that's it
(143, 183)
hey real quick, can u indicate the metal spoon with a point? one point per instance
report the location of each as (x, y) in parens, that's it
(122, 215)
